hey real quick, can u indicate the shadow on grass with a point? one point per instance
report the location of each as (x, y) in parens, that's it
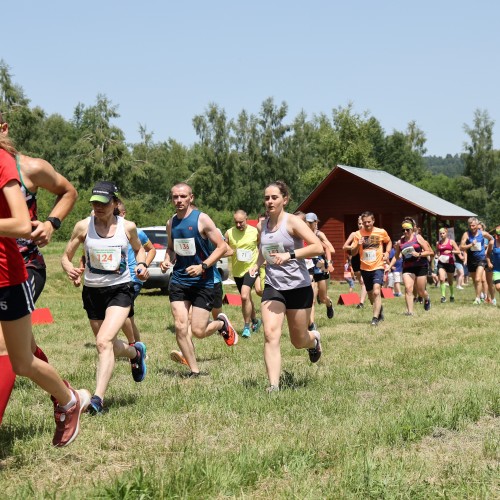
(10, 434)
(181, 374)
(288, 381)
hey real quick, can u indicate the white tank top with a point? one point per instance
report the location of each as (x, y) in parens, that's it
(106, 258)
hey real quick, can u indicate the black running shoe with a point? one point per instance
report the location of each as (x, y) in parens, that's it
(329, 310)
(315, 352)
(427, 304)
(360, 305)
(374, 322)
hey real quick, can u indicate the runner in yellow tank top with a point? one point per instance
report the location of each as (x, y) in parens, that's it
(244, 241)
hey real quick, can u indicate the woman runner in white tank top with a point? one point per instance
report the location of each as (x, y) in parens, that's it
(107, 293)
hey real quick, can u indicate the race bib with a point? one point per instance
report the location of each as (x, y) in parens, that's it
(272, 248)
(105, 259)
(476, 247)
(407, 252)
(369, 255)
(309, 263)
(444, 259)
(185, 247)
(243, 255)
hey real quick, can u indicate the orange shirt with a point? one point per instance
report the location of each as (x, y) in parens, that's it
(371, 248)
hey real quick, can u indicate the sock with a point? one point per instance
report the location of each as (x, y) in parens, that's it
(40, 354)
(70, 404)
(443, 289)
(451, 290)
(7, 379)
(247, 325)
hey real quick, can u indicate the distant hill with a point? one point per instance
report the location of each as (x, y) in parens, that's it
(451, 165)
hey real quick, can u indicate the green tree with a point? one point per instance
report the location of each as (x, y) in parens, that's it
(100, 151)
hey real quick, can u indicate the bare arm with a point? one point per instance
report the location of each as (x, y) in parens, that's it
(41, 174)
(141, 270)
(76, 239)
(18, 225)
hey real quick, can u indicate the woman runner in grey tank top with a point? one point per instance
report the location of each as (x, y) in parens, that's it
(287, 288)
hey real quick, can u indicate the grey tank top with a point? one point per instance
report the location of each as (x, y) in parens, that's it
(294, 273)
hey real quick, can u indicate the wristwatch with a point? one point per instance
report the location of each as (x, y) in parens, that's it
(56, 223)
(204, 266)
(292, 254)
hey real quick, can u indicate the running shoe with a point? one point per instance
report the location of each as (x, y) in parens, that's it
(452, 299)
(477, 302)
(227, 331)
(272, 388)
(96, 406)
(177, 357)
(493, 302)
(427, 304)
(256, 325)
(193, 375)
(315, 352)
(138, 364)
(408, 313)
(374, 322)
(460, 287)
(312, 327)
(68, 422)
(329, 310)
(360, 305)
(246, 333)
(443, 300)
(381, 316)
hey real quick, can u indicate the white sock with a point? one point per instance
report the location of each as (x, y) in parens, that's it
(71, 403)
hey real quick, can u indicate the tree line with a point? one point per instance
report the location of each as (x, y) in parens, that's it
(233, 159)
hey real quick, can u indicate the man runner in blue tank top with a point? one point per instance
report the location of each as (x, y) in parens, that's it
(189, 232)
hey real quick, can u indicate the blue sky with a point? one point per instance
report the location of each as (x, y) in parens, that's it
(163, 62)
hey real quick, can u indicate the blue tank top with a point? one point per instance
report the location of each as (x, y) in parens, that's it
(190, 249)
(495, 256)
(478, 251)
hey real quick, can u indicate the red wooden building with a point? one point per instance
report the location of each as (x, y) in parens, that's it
(346, 192)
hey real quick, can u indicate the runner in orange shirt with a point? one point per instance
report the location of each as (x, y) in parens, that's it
(369, 242)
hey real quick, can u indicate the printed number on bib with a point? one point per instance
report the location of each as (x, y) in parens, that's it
(444, 259)
(273, 248)
(369, 255)
(185, 247)
(244, 255)
(476, 247)
(105, 259)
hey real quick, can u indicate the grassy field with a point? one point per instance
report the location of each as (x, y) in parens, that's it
(407, 410)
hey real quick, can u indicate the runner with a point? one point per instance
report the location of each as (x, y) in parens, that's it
(493, 260)
(369, 242)
(473, 241)
(130, 328)
(34, 173)
(192, 281)
(107, 292)
(446, 251)
(460, 261)
(17, 304)
(244, 241)
(415, 252)
(323, 266)
(356, 265)
(288, 291)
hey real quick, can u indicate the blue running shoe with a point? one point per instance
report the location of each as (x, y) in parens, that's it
(246, 333)
(96, 406)
(256, 325)
(138, 364)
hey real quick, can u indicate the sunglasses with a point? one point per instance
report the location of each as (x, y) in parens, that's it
(407, 230)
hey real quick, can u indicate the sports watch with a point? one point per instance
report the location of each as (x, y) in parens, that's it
(56, 223)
